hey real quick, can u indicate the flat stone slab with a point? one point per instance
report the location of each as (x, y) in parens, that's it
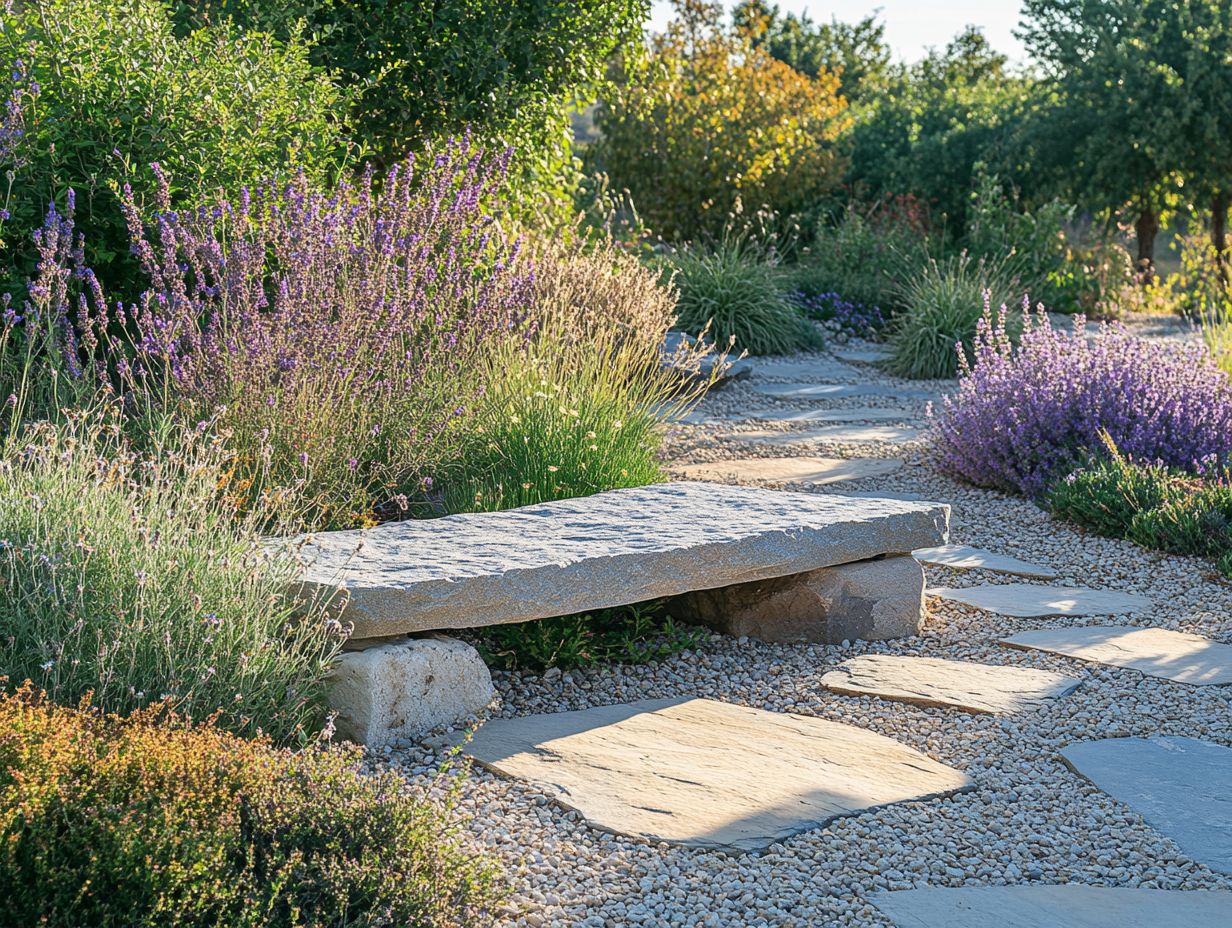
(595, 552)
(856, 414)
(816, 471)
(1040, 906)
(964, 557)
(1157, 652)
(708, 774)
(861, 355)
(803, 368)
(1181, 786)
(1026, 600)
(805, 391)
(931, 681)
(849, 433)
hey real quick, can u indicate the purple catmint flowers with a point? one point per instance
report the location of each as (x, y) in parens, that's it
(1025, 416)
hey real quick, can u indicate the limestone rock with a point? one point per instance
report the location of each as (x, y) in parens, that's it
(1026, 600)
(930, 681)
(404, 689)
(806, 391)
(965, 557)
(708, 774)
(871, 600)
(810, 470)
(1159, 652)
(854, 414)
(594, 552)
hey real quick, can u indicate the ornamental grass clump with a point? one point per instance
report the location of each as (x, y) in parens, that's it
(1024, 416)
(338, 332)
(147, 822)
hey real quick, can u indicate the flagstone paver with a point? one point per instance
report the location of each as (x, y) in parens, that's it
(854, 414)
(965, 557)
(810, 470)
(805, 391)
(1158, 652)
(805, 368)
(1181, 786)
(838, 433)
(928, 681)
(708, 774)
(861, 355)
(1044, 906)
(1025, 600)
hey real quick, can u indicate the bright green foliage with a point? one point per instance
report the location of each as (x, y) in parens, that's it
(944, 305)
(125, 576)
(506, 69)
(1155, 506)
(736, 291)
(148, 823)
(117, 90)
(625, 635)
(715, 126)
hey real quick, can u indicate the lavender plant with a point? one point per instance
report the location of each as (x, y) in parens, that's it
(1024, 416)
(847, 317)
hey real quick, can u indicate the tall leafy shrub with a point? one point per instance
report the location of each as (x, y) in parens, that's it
(1022, 417)
(715, 123)
(117, 90)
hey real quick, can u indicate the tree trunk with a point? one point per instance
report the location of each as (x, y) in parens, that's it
(1219, 233)
(1146, 228)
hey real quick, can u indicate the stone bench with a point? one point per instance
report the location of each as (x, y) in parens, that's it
(776, 565)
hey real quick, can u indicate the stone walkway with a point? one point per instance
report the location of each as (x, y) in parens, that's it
(1031, 843)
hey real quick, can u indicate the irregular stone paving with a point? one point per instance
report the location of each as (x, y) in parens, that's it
(929, 681)
(1158, 652)
(837, 433)
(805, 391)
(1025, 600)
(1182, 786)
(965, 557)
(810, 470)
(593, 552)
(1043, 906)
(821, 368)
(856, 414)
(708, 774)
(861, 355)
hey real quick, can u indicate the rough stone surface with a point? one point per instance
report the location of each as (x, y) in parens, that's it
(808, 391)
(1043, 906)
(930, 681)
(1158, 652)
(965, 557)
(869, 600)
(1181, 786)
(610, 549)
(811, 470)
(708, 774)
(1026, 600)
(400, 690)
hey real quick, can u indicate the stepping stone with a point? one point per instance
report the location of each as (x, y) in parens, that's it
(708, 774)
(861, 355)
(1181, 786)
(858, 414)
(1157, 652)
(847, 433)
(964, 557)
(594, 552)
(804, 391)
(816, 471)
(803, 368)
(1068, 906)
(930, 681)
(1026, 600)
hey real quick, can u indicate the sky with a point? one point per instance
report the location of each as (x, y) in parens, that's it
(912, 26)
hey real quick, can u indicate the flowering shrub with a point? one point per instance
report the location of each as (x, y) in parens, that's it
(849, 318)
(112, 821)
(337, 332)
(124, 576)
(1023, 417)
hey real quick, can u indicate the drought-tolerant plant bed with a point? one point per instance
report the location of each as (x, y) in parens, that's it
(148, 822)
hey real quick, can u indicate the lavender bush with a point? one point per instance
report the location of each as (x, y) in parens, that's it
(335, 333)
(1027, 415)
(848, 317)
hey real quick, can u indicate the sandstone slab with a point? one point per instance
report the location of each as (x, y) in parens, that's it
(403, 689)
(854, 414)
(1157, 652)
(1181, 786)
(817, 471)
(839, 433)
(708, 774)
(594, 552)
(965, 557)
(808, 391)
(930, 681)
(1068, 906)
(871, 600)
(1025, 600)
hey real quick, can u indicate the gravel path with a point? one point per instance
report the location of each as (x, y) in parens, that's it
(1030, 819)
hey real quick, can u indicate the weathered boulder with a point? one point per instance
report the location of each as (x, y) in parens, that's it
(403, 689)
(594, 552)
(872, 600)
